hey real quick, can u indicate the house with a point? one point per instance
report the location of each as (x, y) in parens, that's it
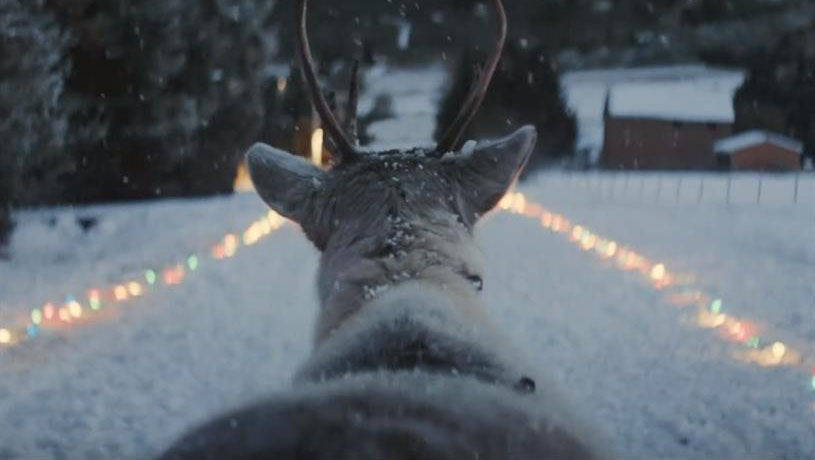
(670, 124)
(759, 150)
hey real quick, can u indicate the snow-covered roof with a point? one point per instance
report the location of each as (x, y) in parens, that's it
(688, 101)
(731, 144)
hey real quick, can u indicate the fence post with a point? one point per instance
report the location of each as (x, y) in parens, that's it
(795, 193)
(611, 189)
(758, 194)
(625, 184)
(659, 187)
(678, 188)
(642, 185)
(701, 190)
(729, 183)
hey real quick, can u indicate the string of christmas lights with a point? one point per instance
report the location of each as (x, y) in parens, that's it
(76, 310)
(709, 312)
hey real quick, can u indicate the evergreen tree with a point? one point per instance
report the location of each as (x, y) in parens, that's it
(32, 125)
(779, 91)
(525, 90)
(165, 95)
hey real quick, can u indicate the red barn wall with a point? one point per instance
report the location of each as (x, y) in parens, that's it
(765, 157)
(638, 143)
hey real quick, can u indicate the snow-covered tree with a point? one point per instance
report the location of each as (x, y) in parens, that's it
(32, 124)
(165, 94)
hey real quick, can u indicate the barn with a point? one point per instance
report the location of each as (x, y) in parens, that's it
(665, 125)
(760, 151)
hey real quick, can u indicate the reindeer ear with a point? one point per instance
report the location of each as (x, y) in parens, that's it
(486, 171)
(286, 182)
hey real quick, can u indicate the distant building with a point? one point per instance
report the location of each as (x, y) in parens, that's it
(665, 125)
(759, 150)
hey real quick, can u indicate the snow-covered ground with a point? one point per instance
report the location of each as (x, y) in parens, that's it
(125, 385)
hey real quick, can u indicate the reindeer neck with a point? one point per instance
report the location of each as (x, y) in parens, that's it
(433, 249)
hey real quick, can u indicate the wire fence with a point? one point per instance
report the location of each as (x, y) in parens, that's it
(769, 189)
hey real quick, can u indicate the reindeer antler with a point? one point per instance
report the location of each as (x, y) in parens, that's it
(347, 149)
(452, 136)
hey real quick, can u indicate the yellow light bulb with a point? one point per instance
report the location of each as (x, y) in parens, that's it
(658, 272)
(778, 350)
(317, 146)
(134, 289)
(75, 309)
(120, 293)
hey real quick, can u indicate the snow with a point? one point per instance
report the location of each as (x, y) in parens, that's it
(756, 137)
(416, 92)
(661, 101)
(127, 384)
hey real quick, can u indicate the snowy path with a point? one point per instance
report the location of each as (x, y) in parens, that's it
(237, 330)
(125, 386)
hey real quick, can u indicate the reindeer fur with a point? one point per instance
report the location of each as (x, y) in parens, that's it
(406, 362)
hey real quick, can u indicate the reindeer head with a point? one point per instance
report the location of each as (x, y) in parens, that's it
(366, 189)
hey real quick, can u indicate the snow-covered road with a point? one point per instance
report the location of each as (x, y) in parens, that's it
(130, 381)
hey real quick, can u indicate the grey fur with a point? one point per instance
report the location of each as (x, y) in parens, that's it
(406, 362)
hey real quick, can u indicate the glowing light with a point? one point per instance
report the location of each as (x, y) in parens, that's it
(740, 331)
(588, 241)
(64, 315)
(150, 277)
(282, 83)
(243, 181)
(753, 342)
(813, 382)
(519, 204)
(658, 272)
(74, 309)
(710, 320)
(275, 220)
(36, 316)
(32, 330)
(230, 245)
(546, 219)
(716, 306)
(779, 350)
(317, 146)
(120, 293)
(192, 262)
(174, 276)
(48, 311)
(253, 234)
(134, 289)
(5, 336)
(95, 299)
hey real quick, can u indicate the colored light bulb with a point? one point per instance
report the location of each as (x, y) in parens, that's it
(36, 316)
(192, 262)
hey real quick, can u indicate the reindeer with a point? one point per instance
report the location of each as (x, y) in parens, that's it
(406, 363)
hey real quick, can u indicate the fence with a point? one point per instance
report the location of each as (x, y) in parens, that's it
(696, 188)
